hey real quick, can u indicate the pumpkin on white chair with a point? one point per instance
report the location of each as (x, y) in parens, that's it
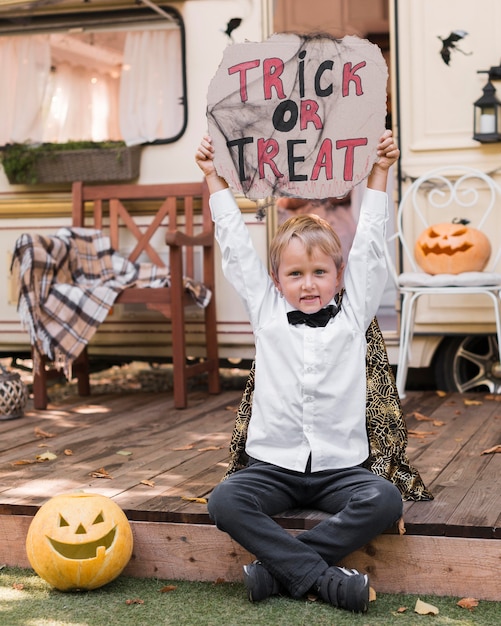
(452, 248)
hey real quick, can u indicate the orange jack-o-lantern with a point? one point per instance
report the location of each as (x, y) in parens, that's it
(79, 541)
(451, 249)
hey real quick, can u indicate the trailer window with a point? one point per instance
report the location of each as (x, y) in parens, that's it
(105, 76)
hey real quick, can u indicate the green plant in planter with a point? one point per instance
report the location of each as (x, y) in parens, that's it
(21, 162)
(18, 162)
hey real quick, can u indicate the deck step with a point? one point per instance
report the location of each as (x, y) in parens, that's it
(441, 566)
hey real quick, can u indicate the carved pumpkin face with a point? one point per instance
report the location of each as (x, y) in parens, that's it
(79, 541)
(452, 249)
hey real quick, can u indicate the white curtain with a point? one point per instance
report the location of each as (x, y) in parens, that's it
(104, 103)
(151, 86)
(81, 105)
(24, 75)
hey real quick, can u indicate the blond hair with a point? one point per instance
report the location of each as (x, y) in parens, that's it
(313, 232)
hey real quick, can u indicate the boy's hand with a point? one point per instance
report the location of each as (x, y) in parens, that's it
(204, 157)
(388, 153)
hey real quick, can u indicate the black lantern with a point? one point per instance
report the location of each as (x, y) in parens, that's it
(487, 116)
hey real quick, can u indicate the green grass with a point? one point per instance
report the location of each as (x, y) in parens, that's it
(27, 600)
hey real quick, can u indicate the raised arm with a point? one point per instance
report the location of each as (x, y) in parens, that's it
(241, 263)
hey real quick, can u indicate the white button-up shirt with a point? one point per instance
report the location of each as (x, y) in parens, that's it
(310, 387)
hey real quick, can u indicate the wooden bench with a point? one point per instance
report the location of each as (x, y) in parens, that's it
(182, 210)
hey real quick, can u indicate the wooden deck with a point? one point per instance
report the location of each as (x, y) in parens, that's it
(451, 545)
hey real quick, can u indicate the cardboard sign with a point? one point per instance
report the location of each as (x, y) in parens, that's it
(297, 116)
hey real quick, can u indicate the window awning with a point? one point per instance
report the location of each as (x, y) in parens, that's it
(20, 17)
(38, 6)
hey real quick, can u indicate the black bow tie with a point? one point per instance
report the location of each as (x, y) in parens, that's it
(320, 318)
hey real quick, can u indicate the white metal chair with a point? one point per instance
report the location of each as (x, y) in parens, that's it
(444, 195)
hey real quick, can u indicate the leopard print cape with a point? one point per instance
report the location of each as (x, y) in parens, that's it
(386, 426)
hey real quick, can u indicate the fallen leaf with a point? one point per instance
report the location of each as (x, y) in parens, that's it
(401, 526)
(440, 393)
(420, 417)
(495, 397)
(402, 609)
(190, 446)
(24, 462)
(100, 473)
(18, 586)
(468, 603)
(41, 434)
(211, 448)
(124, 452)
(219, 581)
(468, 402)
(423, 418)
(43, 445)
(68, 452)
(493, 450)
(46, 456)
(167, 588)
(421, 434)
(423, 608)
(372, 595)
(148, 483)
(134, 601)
(198, 500)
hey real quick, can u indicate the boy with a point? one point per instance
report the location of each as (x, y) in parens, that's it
(307, 437)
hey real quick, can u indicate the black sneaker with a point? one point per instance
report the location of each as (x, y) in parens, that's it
(346, 589)
(259, 582)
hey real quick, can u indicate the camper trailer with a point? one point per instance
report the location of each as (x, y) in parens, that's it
(133, 76)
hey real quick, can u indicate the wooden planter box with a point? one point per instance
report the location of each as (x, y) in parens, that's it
(89, 165)
(94, 165)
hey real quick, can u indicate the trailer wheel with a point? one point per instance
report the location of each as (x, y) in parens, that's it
(468, 363)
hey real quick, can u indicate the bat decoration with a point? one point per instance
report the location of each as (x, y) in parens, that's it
(232, 25)
(449, 43)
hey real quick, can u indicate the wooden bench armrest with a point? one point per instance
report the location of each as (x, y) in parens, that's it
(179, 239)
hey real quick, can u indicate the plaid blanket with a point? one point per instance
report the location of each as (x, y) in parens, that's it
(69, 282)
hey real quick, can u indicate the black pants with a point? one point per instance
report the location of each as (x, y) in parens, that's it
(362, 505)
